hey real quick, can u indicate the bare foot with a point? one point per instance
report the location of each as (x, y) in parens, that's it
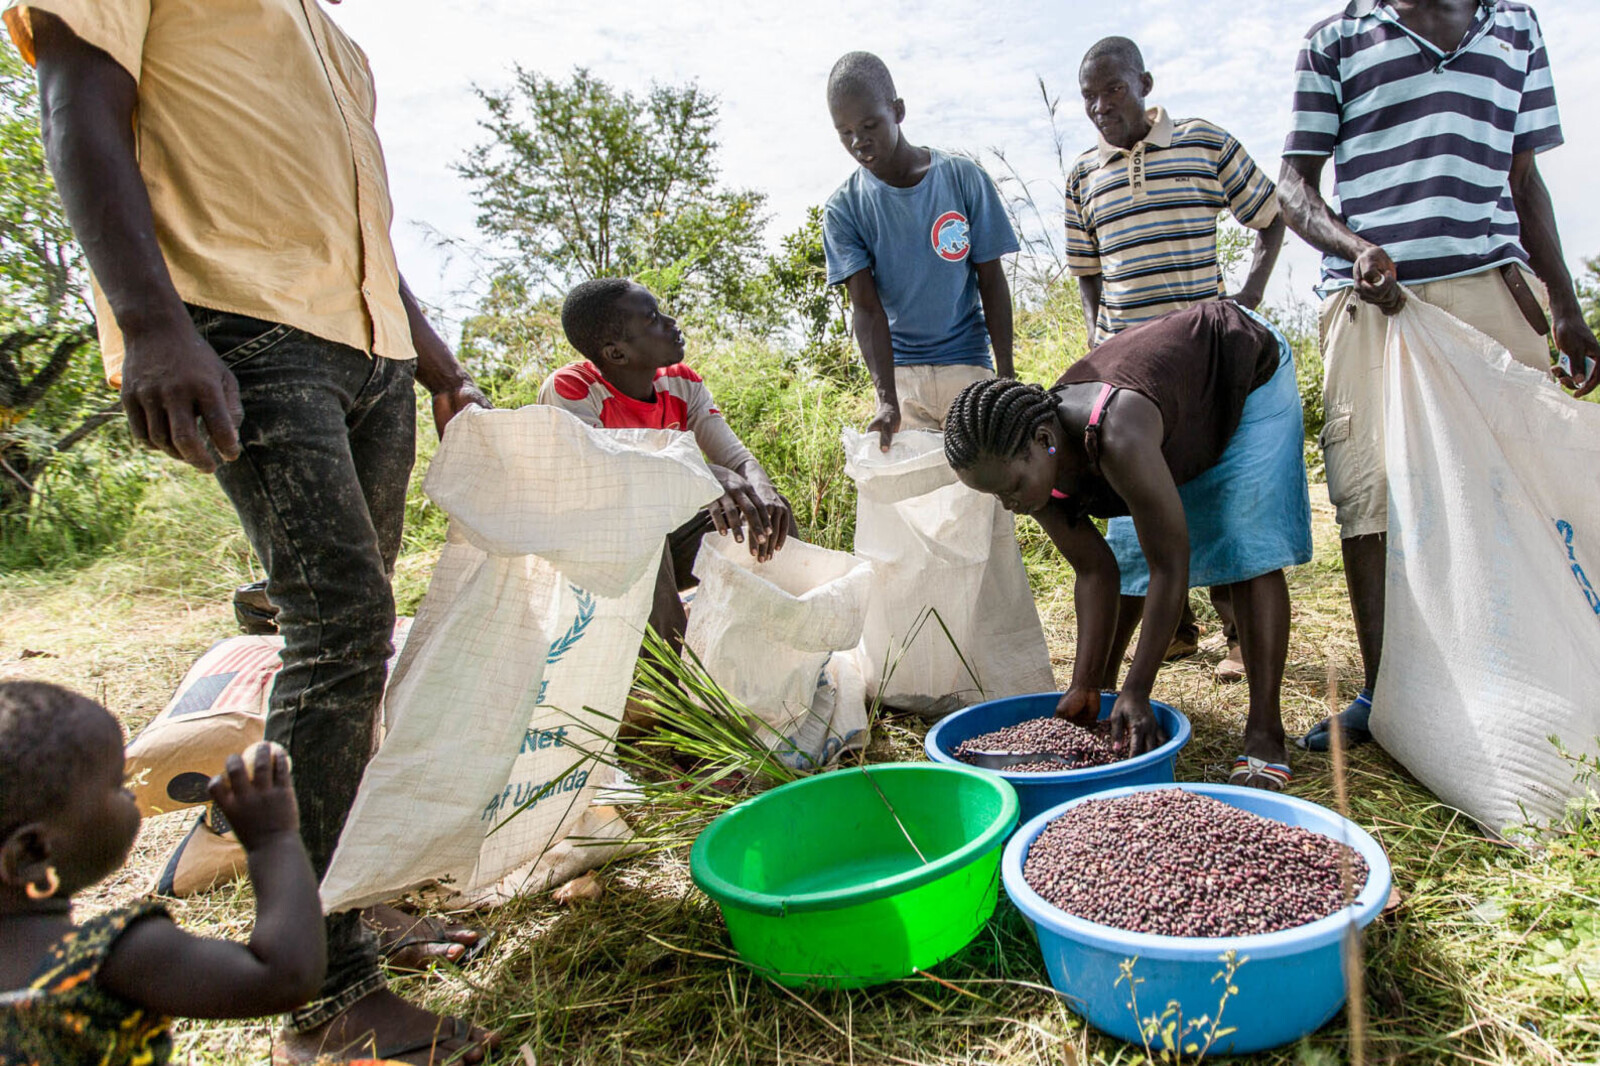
(412, 941)
(382, 1025)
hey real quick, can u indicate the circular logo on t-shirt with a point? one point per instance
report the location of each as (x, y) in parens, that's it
(950, 236)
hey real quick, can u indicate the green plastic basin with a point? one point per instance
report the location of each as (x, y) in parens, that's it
(820, 886)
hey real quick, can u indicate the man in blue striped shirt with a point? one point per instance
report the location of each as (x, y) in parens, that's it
(1433, 111)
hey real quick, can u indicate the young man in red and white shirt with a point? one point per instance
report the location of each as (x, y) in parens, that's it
(634, 377)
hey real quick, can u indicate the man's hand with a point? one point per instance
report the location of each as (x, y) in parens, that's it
(780, 520)
(171, 380)
(1080, 706)
(447, 403)
(1576, 342)
(1377, 280)
(886, 423)
(257, 800)
(1134, 728)
(740, 505)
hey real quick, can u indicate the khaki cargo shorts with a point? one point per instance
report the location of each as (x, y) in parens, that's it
(1353, 335)
(927, 391)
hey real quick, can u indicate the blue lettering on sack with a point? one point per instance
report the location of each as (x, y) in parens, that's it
(542, 738)
(521, 795)
(1565, 529)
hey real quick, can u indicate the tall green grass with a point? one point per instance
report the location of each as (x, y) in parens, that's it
(83, 502)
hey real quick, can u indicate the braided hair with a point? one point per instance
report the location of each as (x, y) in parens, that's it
(995, 417)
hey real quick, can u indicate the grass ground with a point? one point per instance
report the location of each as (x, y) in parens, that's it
(1490, 957)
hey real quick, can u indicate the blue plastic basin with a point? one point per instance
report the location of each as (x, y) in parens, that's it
(1289, 983)
(1039, 792)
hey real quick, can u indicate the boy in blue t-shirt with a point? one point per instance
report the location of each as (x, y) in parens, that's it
(916, 236)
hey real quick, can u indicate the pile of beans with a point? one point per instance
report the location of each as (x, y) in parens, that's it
(1082, 747)
(1177, 863)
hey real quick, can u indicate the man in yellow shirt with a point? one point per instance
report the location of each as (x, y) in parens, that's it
(219, 164)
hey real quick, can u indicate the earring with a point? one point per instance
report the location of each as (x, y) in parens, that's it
(1050, 449)
(52, 884)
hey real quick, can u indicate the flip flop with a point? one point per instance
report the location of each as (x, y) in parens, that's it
(1252, 772)
(389, 949)
(460, 1029)
(1352, 722)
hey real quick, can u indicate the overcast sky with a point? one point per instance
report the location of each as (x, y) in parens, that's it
(967, 71)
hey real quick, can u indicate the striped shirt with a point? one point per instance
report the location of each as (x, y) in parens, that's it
(1421, 139)
(1145, 218)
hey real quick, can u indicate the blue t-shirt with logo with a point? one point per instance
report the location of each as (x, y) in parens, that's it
(923, 245)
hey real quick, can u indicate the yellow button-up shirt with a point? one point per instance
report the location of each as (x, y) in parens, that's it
(256, 141)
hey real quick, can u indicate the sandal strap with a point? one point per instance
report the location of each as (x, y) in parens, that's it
(1249, 767)
(459, 1030)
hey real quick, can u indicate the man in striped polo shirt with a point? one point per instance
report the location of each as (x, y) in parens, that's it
(1142, 209)
(1433, 111)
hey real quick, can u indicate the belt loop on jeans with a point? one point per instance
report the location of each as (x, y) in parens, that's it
(320, 1012)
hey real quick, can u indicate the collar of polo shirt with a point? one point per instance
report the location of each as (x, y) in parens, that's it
(1362, 8)
(1160, 135)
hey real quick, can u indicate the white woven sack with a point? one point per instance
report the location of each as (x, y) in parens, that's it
(1492, 622)
(935, 544)
(539, 504)
(765, 631)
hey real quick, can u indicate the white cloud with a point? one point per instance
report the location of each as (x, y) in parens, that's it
(967, 72)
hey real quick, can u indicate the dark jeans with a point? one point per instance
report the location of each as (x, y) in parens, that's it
(328, 440)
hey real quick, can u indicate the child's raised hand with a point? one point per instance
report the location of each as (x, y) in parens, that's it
(257, 797)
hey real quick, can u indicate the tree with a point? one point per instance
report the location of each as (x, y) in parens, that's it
(512, 340)
(580, 180)
(53, 396)
(799, 275)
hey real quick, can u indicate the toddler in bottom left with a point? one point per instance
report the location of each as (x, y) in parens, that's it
(105, 990)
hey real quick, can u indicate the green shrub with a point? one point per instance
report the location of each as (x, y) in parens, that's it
(83, 501)
(791, 417)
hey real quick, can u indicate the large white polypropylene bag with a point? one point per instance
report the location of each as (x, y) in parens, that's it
(938, 546)
(1491, 622)
(765, 631)
(556, 534)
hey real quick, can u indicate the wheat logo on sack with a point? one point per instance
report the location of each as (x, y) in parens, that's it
(951, 236)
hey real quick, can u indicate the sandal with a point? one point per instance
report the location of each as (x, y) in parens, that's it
(1251, 772)
(424, 932)
(460, 1029)
(1231, 668)
(386, 1056)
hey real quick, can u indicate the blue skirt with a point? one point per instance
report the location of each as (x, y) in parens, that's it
(1251, 513)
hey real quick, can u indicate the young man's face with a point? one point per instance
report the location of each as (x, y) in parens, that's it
(869, 128)
(1113, 98)
(650, 339)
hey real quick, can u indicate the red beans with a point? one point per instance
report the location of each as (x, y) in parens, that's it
(1081, 747)
(1177, 863)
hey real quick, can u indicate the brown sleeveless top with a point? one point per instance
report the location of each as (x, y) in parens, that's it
(1198, 366)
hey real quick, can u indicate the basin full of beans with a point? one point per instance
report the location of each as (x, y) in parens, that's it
(1176, 863)
(1081, 747)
